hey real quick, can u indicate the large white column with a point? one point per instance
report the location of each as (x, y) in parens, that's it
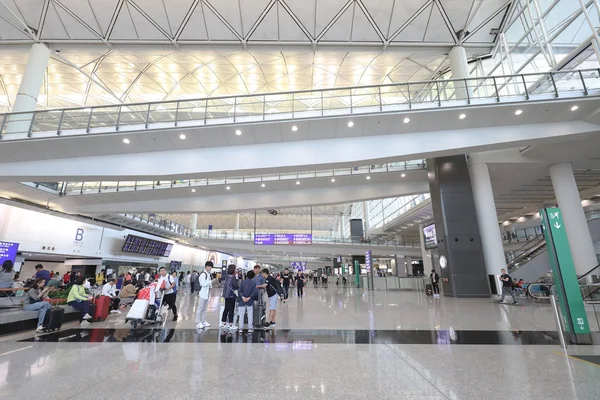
(342, 222)
(194, 223)
(569, 202)
(237, 222)
(460, 70)
(367, 218)
(487, 218)
(29, 89)
(425, 254)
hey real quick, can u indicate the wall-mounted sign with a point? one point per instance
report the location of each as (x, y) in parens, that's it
(8, 251)
(430, 236)
(79, 237)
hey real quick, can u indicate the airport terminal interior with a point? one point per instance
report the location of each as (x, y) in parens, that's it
(300, 199)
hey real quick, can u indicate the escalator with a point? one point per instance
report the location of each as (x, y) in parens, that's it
(589, 285)
(525, 253)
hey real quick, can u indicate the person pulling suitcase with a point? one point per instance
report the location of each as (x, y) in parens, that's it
(166, 289)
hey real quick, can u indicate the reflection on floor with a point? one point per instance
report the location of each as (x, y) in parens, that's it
(332, 344)
(298, 337)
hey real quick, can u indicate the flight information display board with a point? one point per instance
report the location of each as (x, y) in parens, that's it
(149, 247)
(282, 238)
(298, 265)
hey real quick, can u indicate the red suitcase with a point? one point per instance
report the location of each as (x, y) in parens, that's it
(102, 308)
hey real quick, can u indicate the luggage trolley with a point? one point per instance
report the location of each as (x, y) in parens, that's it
(145, 309)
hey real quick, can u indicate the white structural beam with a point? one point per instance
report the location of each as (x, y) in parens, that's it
(260, 200)
(286, 156)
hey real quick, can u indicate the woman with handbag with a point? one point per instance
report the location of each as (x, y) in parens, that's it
(230, 294)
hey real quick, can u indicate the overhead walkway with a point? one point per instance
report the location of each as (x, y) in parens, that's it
(236, 241)
(314, 104)
(99, 187)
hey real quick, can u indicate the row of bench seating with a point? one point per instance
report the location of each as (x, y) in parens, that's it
(14, 319)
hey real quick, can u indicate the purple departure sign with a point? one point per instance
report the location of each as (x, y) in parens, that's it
(282, 238)
(8, 251)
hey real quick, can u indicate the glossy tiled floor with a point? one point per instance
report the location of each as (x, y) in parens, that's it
(349, 308)
(311, 355)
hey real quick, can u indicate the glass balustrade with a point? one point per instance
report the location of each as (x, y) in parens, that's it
(302, 104)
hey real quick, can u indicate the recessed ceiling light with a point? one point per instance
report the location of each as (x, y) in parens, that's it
(294, 128)
(406, 120)
(403, 175)
(518, 112)
(462, 116)
(238, 132)
(350, 124)
(297, 182)
(332, 179)
(193, 190)
(262, 185)
(228, 187)
(126, 141)
(368, 177)
(575, 108)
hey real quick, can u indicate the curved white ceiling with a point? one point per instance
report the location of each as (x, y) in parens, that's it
(115, 51)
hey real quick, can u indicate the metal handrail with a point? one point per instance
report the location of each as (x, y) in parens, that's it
(323, 103)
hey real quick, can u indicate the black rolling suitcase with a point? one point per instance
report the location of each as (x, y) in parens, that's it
(54, 318)
(259, 316)
(429, 289)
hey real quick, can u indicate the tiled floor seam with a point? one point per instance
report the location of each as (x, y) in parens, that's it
(414, 369)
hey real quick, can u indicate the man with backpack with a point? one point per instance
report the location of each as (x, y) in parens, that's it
(507, 286)
(205, 283)
(274, 291)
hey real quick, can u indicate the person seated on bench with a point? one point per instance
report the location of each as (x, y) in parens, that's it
(109, 289)
(35, 301)
(80, 300)
(55, 282)
(6, 275)
(128, 291)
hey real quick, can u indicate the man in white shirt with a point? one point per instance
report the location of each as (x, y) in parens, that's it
(109, 289)
(165, 287)
(205, 285)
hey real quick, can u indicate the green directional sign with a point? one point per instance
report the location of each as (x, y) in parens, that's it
(563, 270)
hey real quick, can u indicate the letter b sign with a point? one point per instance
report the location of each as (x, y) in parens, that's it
(79, 235)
